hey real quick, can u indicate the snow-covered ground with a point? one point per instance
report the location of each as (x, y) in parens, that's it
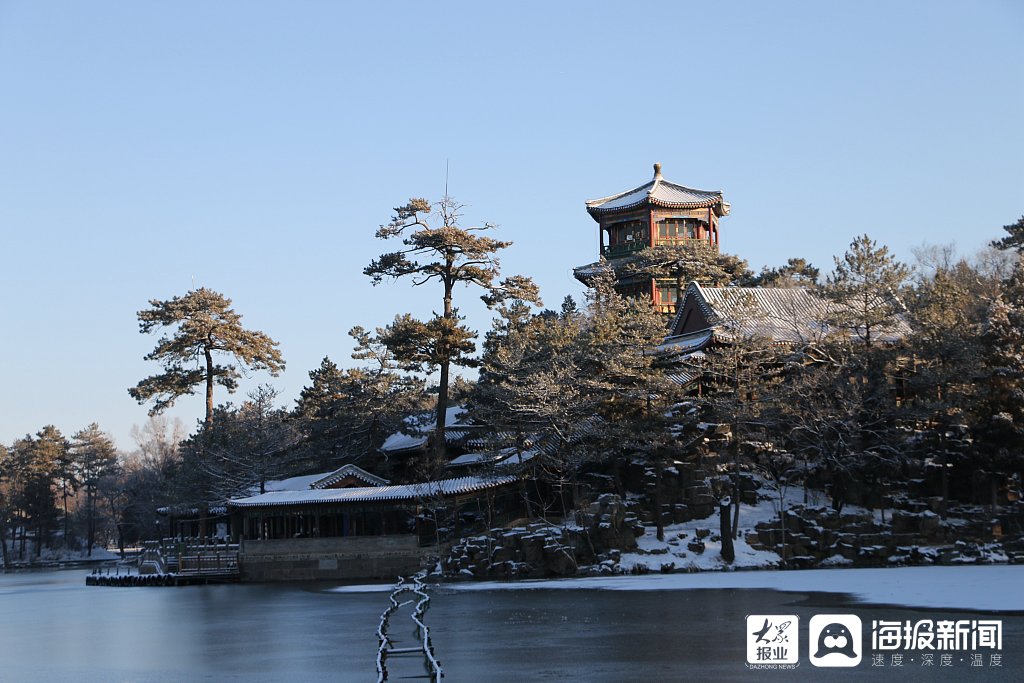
(981, 588)
(56, 554)
(654, 553)
(968, 587)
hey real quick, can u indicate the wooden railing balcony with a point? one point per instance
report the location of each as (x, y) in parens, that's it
(618, 250)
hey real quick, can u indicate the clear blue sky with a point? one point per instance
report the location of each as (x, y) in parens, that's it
(255, 147)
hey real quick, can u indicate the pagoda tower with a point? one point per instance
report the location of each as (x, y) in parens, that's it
(656, 213)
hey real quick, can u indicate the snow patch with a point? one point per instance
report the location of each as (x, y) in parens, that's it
(978, 588)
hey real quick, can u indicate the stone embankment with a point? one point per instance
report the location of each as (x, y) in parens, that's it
(539, 549)
(815, 536)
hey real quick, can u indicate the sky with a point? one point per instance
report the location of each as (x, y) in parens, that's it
(254, 147)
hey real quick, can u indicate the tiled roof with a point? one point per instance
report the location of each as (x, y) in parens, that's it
(784, 315)
(659, 192)
(348, 471)
(410, 492)
(683, 343)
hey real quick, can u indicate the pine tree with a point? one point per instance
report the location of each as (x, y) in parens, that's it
(530, 388)
(32, 469)
(628, 380)
(687, 262)
(68, 482)
(443, 252)
(1001, 410)
(95, 458)
(796, 273)
(863, 289)
(1014, 239)
(204, 326)
(6, 503)
(347, 413)
(947, 308)
(737, 377)
(247, 446)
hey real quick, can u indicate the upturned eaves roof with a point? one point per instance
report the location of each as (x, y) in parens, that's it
(657, 192)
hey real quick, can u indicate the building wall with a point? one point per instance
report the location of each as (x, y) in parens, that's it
(355, 557)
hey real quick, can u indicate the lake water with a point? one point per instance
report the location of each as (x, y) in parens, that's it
(53, 627)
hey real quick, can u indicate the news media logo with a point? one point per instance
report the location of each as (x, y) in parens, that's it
(835, 640)
(773, 640)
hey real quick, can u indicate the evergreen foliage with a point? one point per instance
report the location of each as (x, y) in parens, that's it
(95, 459)
(436, 249)
(864, 289)
(796, 273)
(1002, 401)
(243, 448)
(1014, 239)
(346, 414)
(686, 262)
(204, 326)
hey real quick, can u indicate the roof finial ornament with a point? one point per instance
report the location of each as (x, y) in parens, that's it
(657, 171)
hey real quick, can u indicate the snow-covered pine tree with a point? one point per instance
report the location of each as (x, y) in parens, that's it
(1002, 400)
(248, 446)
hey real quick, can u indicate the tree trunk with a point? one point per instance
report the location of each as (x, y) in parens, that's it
(659, 522)
(3, 544)
(945, 487)
(728, 551)
(442, 412)
(526, 500)
(440, 447)
(736, 490)
(209, 386)
(64, 496)
(90, 525)
(782, 520)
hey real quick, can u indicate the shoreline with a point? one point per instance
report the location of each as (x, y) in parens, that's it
(950, 587)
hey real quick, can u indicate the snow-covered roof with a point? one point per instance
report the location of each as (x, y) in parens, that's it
(345, 471)
(513, 459)
(399, 492)
(418, 428)
(659, 192)
(682, 343)
(292, 483)
(506, 457)
(469, 459)
(784, 315)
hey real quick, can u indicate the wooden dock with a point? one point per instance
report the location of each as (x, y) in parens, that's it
(126, 580)
(174, 562)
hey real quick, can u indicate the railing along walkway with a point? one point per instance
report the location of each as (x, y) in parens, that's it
(386, 645)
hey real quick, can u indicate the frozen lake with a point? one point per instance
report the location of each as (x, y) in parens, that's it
(53, 627)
